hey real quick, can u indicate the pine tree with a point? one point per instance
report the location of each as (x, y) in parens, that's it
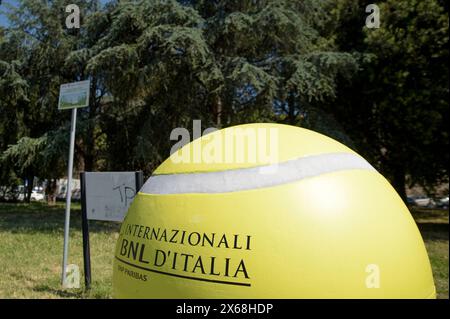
(225, 62)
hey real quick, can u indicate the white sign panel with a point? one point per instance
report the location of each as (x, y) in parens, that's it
(74, 95)
(109, 194)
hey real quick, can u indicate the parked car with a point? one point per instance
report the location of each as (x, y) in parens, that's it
(421, 201)
(35, 195)
(443, 202)
(76, 195)
(20, 192)
(10, 193)
(410, 200)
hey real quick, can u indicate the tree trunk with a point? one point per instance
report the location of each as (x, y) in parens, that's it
(88, 160)
(51, 190)
(89, 157)
(218, 110)
(399, 182)
(29, 188)
(291, 109)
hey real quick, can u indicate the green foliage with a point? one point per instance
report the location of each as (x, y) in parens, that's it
(25, 153)
(168, 62)
(399, 119)
(158, 64)
(44, 156)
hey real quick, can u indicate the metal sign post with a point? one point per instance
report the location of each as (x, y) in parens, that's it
(73, 124)
(71, 96)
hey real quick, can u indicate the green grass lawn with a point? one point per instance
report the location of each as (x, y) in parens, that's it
(433, 224)
(31, 244)
(31, 241)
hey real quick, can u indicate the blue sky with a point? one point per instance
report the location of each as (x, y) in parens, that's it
(4, 20)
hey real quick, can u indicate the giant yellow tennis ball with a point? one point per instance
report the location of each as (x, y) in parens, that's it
(269, 211)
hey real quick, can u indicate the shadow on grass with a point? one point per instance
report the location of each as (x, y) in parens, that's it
(434, 231)
(436, 215)
(77, 293)
(432, 223)
(40, 218)
(60, 293)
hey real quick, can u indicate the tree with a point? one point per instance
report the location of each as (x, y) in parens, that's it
(165, 63)
(32, 58)
(39, 157)
(12, 92)
(399, 118)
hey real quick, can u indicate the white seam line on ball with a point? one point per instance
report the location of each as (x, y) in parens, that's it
(234, 180)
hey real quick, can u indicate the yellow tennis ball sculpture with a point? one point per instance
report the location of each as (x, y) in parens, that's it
(269, 211)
